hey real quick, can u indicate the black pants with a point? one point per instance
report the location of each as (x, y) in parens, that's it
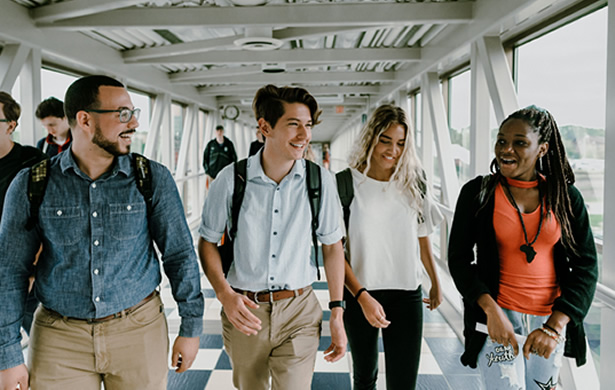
(402, 339)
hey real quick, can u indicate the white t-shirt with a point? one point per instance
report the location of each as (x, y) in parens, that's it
(383, 234)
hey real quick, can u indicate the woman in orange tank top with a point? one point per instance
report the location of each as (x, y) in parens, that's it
(534, 274)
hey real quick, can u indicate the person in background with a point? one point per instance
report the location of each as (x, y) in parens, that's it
(51, 114)
(271, 317)
(391, 217)
(522, 255)
(257, 144)
(219, 153)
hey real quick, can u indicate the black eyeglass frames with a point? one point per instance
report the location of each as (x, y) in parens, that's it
(126, 114)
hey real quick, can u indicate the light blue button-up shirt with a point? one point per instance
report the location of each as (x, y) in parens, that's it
(98, 257)
(273, 243)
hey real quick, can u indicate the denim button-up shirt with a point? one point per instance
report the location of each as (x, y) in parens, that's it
(274, 234)
(98, 257)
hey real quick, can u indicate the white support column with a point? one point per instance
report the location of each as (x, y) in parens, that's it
(480, 145)
(30, 86)
(607, 336)
(498, 76)
(437, 114)
(159, 124)
(12, 59)
(190, 122)
(427, 138)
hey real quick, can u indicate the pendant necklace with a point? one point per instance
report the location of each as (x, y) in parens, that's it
(527, 248)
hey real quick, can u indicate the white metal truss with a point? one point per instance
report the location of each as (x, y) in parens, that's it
(30, 95)
(437, 114)
(76, 8)
(12, 59)
(498, 76)
(160, 126)
(190, 123)
(480, 146)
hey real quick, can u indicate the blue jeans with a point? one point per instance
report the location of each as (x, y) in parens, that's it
(501, 370)
(401, 339)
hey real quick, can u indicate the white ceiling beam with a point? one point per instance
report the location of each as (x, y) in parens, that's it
(298, 15)
(190, 77)
(82, 54)
(12, 59)
(307, 77)
(344, 101)
(250, 91)
(205, 45)
(77, 8)
(293, 56)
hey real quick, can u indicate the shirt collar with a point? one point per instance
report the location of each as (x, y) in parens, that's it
(255, 168)
(121, 164)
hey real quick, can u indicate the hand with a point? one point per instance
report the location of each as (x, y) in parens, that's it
(184, 352)
(501, 330)
(540, 344)
(13, 377)
(337, 349)
(236, 310)
(373, 311)
(435, 298)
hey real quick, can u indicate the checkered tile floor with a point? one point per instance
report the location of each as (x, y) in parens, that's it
(439, 367)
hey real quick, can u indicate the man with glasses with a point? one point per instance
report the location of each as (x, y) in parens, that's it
(101, 318)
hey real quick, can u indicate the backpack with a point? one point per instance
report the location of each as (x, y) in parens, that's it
(345, 192)
(313, 182)
(39, 176)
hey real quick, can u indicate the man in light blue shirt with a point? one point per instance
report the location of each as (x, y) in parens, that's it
(271, 317)
(101, 318)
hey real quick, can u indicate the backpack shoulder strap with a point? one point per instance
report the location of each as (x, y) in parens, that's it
(37, 184)
(346, 192)
(143, 174)
(239, 189)
(313, 181)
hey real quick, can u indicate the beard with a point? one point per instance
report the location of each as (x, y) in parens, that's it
(113, 148)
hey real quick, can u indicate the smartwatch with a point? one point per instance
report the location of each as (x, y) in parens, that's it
(341, 304)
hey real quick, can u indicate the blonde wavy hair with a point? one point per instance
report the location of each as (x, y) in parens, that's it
(408, 175)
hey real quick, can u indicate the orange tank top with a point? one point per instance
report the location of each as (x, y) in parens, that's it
(529, 288)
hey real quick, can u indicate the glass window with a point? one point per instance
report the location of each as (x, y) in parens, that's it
(143, 102)
(565, 72)
(459, 123)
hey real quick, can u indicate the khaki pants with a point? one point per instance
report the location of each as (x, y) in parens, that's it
(130, 352)
(283, 350)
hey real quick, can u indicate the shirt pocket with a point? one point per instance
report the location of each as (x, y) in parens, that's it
(62, 225)
(126, 220)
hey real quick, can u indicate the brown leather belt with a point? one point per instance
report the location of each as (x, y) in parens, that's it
(120, 314)
(270, 296)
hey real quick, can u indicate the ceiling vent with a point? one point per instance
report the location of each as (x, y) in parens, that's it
(274, 67)
(258, 39)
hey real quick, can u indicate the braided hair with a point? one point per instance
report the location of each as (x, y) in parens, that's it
(553, 165)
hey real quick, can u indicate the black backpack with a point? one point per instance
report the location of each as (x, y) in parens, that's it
(313, 182)
(346, 192)
(39, 176)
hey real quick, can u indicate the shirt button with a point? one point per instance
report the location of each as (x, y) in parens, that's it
(93, 185)
(96, 242)
(271, 278)
(277, 189)
(94, 214)
(97, 299)
(275, 233)
(273, 256)
(129, 207)
(275, 211)
(59, 212)
(96, 271)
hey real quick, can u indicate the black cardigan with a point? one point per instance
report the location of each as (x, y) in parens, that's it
(473, 227)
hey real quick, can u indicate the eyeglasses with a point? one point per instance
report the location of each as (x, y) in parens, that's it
(5, 120)
(126, 114)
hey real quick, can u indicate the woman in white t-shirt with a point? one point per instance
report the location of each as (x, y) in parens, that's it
(391, 217)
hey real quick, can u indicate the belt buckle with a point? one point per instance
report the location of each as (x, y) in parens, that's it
(263, 292)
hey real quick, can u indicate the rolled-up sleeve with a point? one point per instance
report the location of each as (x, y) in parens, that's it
(330, 228)
(216, 209)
